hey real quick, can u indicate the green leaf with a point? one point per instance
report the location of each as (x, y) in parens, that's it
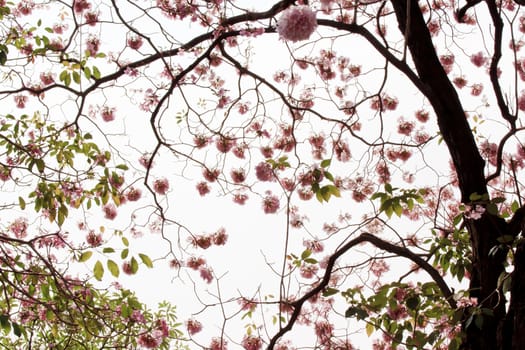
(98, 270)
(134, 265)
(398, 209)
(113, 268)
(146, 260)
(96, 73)
(21, 203)
(412, 302)
(326, 163)
(359, 313)
(4, 322)
(125, 241)
(87, 72)
(85, 256)
(40, 165)
(369, 329)
(492, 209)
(306, 253)
(334, 190)
(76, 77)
(319, 196)
(17, 329)
(329, 291)
(310, 261)
(62, 214)
(3, 58)
(108, 250)
(124, 254)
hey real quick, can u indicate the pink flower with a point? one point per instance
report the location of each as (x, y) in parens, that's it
(91, 18)
(47, 78)
(201, 141)
(308, 271)
(195, 263)
(240, 198)
(26, 7)
(206, 274)
(251, 342)
(19, 228)
(92, 45)
(211, 175)
(58, 28)
(134, 42)
(305, 193)
(422, 115)
(127, 268)
(314, 245)
(460, 82)
(238, 175)
(161, 186)
(224, 144)
(145, 159)
(193, 326)
(478, 59)
(239, 150)
(297, 23)
(521, 102)
(220, 237)
(81, 5)
(264, 171)
(93, 239)
(474, 212)
(378, 267)
(324, 331)
(476, 89)
(133, 194)
(203, 188)
(270, 204)
(162, 326)
(201, 241)
(342, 151)
(107, 113)
(137, 316)
(20, 101)
(110, 211)
(218, 344)
(5, 173)
(405, 127)
(149, 341)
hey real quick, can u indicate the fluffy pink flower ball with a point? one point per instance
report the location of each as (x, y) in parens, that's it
(297, 23)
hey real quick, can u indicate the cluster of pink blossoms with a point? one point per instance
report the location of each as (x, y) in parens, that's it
(297, 23)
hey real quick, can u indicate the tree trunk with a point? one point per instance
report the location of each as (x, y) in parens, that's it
(469, 166)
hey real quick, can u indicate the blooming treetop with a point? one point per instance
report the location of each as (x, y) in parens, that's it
(147, 141)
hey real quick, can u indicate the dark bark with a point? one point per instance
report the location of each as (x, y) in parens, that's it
(469, 166)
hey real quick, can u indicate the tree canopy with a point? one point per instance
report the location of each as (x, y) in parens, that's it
(324, 174)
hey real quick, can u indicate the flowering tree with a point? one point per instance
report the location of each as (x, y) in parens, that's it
(375, 144)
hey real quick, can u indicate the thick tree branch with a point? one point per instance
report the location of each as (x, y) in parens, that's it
(379, 243)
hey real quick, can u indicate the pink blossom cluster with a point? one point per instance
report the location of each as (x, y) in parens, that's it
(297, 23)
(473, 212)
(110, 211)
(206, 240)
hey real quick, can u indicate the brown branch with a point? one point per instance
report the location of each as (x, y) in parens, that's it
(496, 56)
(379, 243)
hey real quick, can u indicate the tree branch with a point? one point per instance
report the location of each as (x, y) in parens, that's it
(379, 243)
